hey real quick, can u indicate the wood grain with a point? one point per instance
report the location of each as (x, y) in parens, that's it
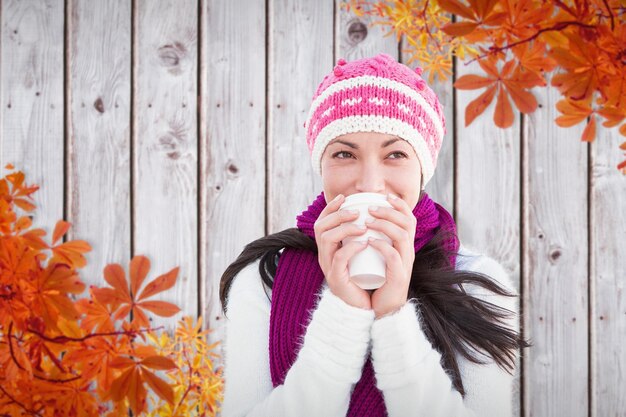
(98, 96)
(233, 143)
(31, 97)
(555, 264)
(165, 145)
(300, 55)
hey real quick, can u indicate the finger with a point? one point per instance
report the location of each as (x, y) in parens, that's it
(392, 257)
(394, 215)
(334, 219)
(343, 255)
(328, 242)
(333, 205)
(400, 205)
(401, 238)
(343, 231)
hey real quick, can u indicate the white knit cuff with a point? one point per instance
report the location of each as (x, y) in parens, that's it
(398, 345)
(337, 339)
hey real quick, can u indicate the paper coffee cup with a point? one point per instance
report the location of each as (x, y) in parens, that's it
(367, 267)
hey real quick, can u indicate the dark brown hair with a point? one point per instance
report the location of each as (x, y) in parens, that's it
(454, 322)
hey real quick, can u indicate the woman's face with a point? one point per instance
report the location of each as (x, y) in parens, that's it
(370, 162)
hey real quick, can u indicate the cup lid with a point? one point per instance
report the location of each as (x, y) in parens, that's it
(366, 198)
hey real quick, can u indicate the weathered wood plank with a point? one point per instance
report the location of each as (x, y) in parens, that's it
(232, 135)
(295, 72)
(488, 184)
(555, 264)
(165, 147)
(31, 98)
(98, 96)
(608, 275)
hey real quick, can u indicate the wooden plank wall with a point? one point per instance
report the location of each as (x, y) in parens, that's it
(174, 129)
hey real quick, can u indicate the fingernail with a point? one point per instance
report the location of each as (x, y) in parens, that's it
(392, 197)
(369, 220)
(370, 239)
(373, 208)
(337, 198)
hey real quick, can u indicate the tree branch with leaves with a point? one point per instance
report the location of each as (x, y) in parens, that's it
(518, 43)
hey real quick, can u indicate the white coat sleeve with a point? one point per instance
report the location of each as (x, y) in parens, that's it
(328, 365)
(409, 371)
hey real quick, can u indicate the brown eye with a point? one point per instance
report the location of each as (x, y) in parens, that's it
(402, 154)
(341, 152)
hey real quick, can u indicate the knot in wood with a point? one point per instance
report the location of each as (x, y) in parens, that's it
(357, 32)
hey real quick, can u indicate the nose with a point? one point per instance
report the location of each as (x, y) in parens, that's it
(371, 178)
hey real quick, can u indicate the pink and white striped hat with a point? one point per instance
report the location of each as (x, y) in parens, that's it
(376, 94)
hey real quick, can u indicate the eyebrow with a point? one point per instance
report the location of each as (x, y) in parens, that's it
(355, 146)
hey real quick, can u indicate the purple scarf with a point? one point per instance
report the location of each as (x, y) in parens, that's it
(298, 283)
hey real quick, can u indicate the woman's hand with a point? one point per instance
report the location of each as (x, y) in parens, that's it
(398, 223)
(332, 226)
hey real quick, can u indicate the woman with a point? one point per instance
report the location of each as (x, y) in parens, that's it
(435, 340)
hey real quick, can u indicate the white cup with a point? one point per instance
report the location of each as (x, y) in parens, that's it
(367, 267)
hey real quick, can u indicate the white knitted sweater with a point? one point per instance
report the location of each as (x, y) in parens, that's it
(335, 348)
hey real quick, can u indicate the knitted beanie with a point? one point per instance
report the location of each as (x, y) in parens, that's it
(376, 94)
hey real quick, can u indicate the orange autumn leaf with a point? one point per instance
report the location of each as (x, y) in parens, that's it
(62, 356)
(478, 13)
(160, 284)
(589, 134)
(71, 253)
(503, 115)
(139, 268)
(97, 316)
(160, 387)
(126, 302)
(613, 115)
(511, 80)
(472, 82)
(20, 191)
(130, 385)
(477, 106)
(580, 43)
(574, 112)
(54, 284)
(60, 229)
